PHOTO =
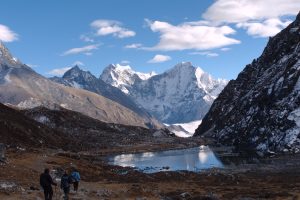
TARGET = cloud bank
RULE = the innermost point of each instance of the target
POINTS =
(7, 35)
(190, 35)
(260, 18)
(111, 27)
(87, 50)
(59, 71)
(159, 59)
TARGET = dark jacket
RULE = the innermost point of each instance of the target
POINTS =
(65, 181)
(46, 180)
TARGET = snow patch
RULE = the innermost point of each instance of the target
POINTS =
(190, 126)
(295, 116)
(76, 85)
(294, 30)
(42, 119)
(7, 185)
(184, 129)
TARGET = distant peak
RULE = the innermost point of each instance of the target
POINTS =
(111, 66)
(7, 58)
(184, 64)
(123, 67)
(76, 67)
(73, 72)
(182, 67)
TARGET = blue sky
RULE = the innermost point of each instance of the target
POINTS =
(220, 36)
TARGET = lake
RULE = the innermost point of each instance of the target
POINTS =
(193, 159)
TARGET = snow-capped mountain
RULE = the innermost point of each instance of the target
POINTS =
(260, 110)
(77, 78)
(20, 85)
(123, 77)
(181, 94)
(6, 59)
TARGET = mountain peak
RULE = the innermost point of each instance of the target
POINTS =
(75, 73)
(123, 76)
(76, 67)
(184, 65)
(119, 67)
(123, 67)
(181, 94)
(6, 58)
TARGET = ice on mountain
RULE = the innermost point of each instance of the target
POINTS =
(181, 94)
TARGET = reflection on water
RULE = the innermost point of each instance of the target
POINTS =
(193, 159)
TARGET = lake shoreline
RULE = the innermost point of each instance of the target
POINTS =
(277, 179)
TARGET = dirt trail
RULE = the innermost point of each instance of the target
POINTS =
(101, 181)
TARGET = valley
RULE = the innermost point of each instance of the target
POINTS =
(162, 107)
(102, 181)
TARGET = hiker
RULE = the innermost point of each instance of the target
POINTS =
(75, 178)
(46, 182)
(65, 185)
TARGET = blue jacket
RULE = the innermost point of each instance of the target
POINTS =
(75, 176)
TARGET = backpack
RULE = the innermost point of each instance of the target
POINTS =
(65, 181)
(75, 176)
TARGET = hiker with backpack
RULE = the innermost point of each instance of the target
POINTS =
(46, 182)
(76, 178)
(66, 180)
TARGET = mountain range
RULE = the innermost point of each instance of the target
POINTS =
(179, 95)
(21, 86)
(182, 94)
(78, 78)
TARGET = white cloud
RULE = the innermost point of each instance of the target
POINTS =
(133, 46)
(86, 50)
(78, 63)
(107, 27)
(269, 27)
(86, 38)
(225, 49)
(205, 53)
(125, 62)
(7, 35)
(190, 35)
(235, 11)
(260, 18)
(159, 59)
(32, 65)
(59, 71)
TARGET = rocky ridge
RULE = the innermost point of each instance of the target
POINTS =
(260, 110)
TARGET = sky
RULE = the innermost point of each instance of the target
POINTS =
(220, 36)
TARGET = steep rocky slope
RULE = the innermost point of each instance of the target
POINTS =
(17, 130)
(20, 85)
(89, 133)
(181, 94)
(260, 110)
